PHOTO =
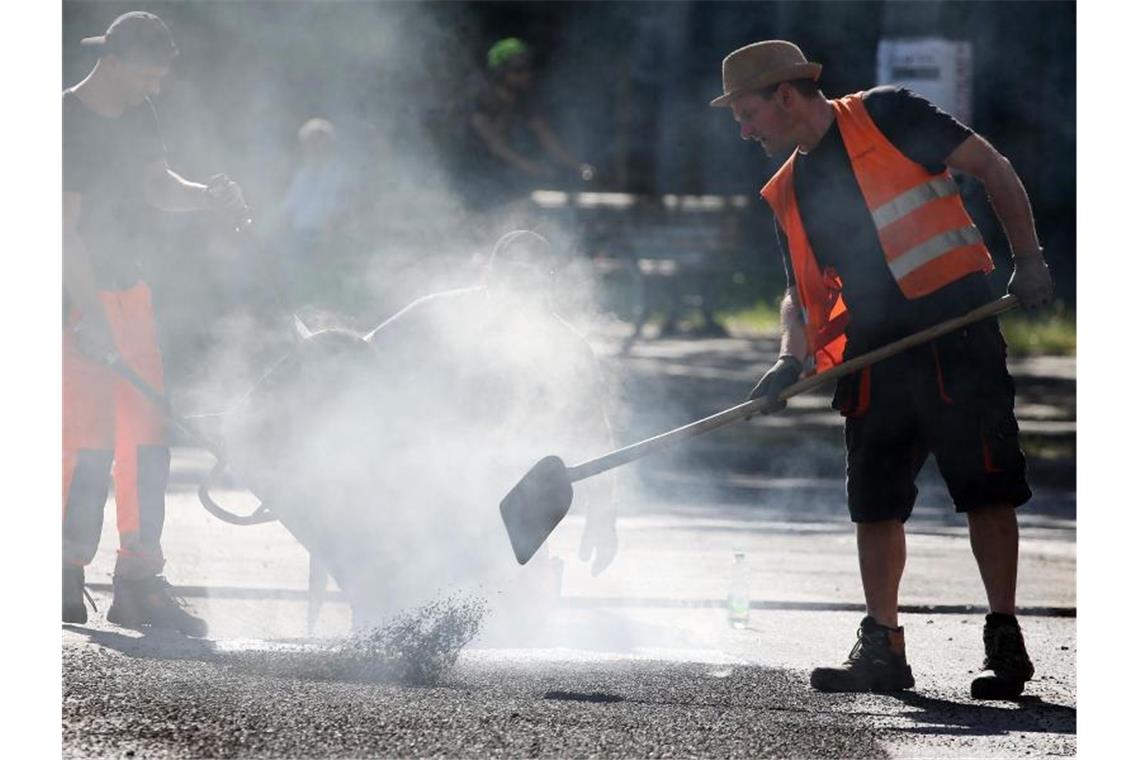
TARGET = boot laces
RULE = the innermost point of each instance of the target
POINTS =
(87, 594)
(161, 588)
(90, 599)
(865, 646)
(853, 655)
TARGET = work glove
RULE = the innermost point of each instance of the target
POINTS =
(784, 372)
(226, 198)
(599, 540)
(1031, 282)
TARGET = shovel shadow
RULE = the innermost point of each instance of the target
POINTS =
(1025, 714)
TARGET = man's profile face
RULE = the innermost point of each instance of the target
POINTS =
(764, 120)
(138, 81)
(519, 76)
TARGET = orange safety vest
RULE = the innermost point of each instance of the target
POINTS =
(927, 236)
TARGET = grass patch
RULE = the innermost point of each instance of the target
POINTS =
(1053, 333)
(762, 317)
(1050, 333)
(1048, 448)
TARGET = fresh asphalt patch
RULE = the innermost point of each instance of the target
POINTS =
(188, 699)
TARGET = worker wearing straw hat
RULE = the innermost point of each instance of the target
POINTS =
(878, 244)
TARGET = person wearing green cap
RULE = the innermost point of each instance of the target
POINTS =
(514, 149)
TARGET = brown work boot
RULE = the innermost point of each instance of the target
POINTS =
(1007, 665)
(877, 663)
(151, 601)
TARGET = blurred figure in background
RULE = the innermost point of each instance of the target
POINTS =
(387, 456)
(512, 148)
(508, 378)
(114, 174)
(314, 214)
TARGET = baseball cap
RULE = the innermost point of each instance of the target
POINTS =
(521, 250)
(508, 52)
(136, 36)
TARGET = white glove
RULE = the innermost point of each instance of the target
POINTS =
(599, 540)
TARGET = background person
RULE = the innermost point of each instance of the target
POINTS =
(314, 213)
(512, 148)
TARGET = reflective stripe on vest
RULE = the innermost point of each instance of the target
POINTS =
(901, 205)
(917, 215)
(929, 250)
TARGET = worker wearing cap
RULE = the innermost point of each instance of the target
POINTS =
(877, 245)
(114, 171)
(514, 148)
(499, 368)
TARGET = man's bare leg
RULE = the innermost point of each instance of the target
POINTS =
(882, 557)
(994, 537)
(878, 661)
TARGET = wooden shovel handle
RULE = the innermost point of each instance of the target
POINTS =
(749, 408)
(992, 309)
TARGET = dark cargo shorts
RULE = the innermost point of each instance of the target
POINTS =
(952, 397)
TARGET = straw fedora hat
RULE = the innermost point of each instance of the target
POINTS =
(760, 65)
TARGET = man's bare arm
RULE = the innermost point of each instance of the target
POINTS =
(793, 337)
(789, 365)
(1031, 281)
(79, 287)
(165, 189)
(1010, 202)
(499, 147)
(78, 277)
(551, 144)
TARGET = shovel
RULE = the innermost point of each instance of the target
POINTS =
(535, 506)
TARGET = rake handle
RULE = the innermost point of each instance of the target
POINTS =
(123, 370)
(748, 408)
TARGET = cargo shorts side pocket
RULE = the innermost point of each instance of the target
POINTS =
(970, 367)
(852, 397)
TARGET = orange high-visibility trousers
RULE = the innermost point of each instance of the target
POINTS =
(106, 420)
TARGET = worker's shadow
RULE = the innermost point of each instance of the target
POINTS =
(1026, 714)
(152, 644)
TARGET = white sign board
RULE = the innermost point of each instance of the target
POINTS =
(940, 70)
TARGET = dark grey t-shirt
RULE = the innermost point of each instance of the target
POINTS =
(104, 161)
(842, 234)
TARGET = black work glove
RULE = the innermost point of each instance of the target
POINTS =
(1031, 282)
(784, 372)
(226, 198)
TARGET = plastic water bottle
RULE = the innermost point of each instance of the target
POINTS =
(738, 592)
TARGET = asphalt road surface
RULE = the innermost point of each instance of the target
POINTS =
(639, 661)
(174, 698)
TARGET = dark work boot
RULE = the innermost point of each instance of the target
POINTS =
(151, 601)
(877, 663)
(74, 592)
(1007, 665)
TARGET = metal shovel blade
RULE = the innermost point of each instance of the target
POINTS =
(535, 506)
